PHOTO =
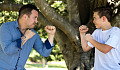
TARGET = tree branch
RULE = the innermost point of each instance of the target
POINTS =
(10, 7)
(116, 20)
(73, 10)
(58, 20)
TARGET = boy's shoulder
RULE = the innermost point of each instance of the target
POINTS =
(115, 31)
(97, 30)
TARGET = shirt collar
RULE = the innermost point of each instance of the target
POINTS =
(16, 24)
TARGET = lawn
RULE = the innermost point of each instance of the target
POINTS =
(50, 65)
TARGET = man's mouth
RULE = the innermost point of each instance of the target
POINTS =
(33, 23)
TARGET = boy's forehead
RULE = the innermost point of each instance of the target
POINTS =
(95, 14)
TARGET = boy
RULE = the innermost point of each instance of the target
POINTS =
(105, 39)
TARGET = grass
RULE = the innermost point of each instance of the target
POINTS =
(50, 65)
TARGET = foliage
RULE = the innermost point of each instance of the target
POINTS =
(60, 7)
(6, 16)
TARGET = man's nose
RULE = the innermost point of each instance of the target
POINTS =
(36, 20)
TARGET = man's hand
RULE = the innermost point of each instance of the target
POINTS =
(83, 29)
(29, 34)
(50, 30)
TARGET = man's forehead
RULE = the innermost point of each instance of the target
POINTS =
(34, 12)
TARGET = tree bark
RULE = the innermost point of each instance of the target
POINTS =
(10, 7)
(67, 34)
(60, 22)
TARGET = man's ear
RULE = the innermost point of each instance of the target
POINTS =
(104, 19)
(25, 16)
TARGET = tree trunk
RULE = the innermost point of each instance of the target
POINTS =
(67, 33)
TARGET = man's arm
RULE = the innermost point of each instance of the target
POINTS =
(28, 34)
(7, 44)
(51, 32)
(45, 49)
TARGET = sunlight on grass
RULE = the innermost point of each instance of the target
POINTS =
(50, 65)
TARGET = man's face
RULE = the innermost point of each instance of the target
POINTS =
(32, 19)
(97, 20)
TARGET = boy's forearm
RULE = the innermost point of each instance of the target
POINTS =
(83, 42)
(101, 47)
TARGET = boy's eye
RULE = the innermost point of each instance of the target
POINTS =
(35, 17)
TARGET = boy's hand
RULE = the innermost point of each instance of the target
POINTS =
(88, 37)
(83, 29)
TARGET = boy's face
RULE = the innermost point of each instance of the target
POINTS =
(97, 20)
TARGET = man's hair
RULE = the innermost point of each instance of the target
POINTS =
(104, 11)
(26, 9)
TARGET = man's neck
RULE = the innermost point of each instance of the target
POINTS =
(21, 26)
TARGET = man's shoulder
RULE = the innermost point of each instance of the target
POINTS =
(34, 31)
(8, 23)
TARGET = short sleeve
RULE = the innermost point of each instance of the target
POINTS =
(113, 41)
(89, 44)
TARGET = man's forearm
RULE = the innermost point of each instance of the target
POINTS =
(51, 39)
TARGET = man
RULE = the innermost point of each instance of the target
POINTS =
(105, 39)
(17, 39)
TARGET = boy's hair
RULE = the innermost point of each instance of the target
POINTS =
(26, 9)
(104, 11)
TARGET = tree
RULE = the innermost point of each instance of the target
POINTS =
(67, 34)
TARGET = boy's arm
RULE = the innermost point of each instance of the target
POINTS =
(83, 29)
(101, 47)
(84, 44)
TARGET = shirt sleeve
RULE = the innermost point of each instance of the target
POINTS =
(48, 45)
(113, 41)
(6, 43)
(43, 49)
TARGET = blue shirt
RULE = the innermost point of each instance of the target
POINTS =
(12, 56)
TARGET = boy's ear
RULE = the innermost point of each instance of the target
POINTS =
(104, 19)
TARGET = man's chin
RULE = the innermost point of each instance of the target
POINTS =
(31, 27)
